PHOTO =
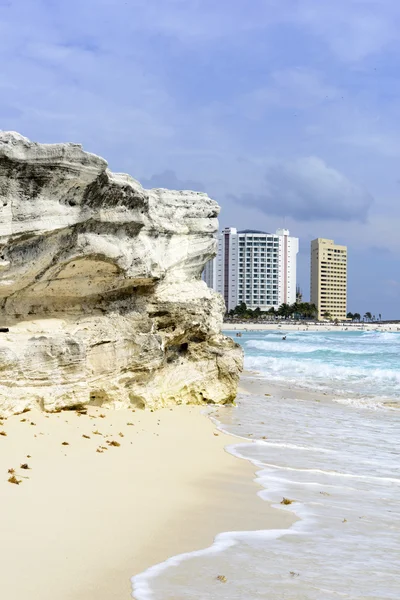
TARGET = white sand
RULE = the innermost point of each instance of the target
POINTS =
(288, 326)
(82, 523)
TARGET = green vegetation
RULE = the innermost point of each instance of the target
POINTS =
(367, 317)
(297, 310)
(354, 316)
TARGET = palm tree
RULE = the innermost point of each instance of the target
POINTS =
(241, 309)
(304, 310)
(327, 315)
(350, 316)
(284, 310)
(368, 316)
(380, 317)
(356, 317)
(313, 311)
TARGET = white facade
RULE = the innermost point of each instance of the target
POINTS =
(254, 267)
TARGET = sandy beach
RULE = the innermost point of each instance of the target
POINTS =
(288, 326)
(82, 522)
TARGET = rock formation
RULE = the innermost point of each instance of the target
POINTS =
(100, 287)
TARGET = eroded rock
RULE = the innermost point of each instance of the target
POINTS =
(100, 287)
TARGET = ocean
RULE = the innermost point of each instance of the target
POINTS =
(329, 441)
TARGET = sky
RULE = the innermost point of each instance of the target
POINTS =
(286, 112)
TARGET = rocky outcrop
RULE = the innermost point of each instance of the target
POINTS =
(100, 287)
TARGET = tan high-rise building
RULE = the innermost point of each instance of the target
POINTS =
(329, 278)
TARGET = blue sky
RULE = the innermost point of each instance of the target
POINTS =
(286, 112)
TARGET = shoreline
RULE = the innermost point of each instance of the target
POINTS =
(82, 523)
(254, 383)
(293, 327)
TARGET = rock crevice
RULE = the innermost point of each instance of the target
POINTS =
(100, 287)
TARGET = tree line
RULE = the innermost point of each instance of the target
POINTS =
(300, 310)
(367, 317)
(297, 310)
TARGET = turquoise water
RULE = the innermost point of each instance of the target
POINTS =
(353, 364)
(336, 456)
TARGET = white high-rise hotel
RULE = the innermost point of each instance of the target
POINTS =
(254, 267)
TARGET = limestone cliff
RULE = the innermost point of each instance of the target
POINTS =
(100, 287)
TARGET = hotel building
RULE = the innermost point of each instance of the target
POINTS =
(254, 267)
(329, 278)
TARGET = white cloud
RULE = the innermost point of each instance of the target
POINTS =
(189, 86)
(308, 190)
(168, 179)
(353, 29)
(380, 143)
(298, 88)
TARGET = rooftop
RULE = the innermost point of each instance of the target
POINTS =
(253, 231)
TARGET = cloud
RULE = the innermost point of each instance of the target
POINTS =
(297, 88)
(308, 190)
(394, 285)
(384, 144)
(353, 29)
(168, 179)
(302, 87)
(226, 96)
